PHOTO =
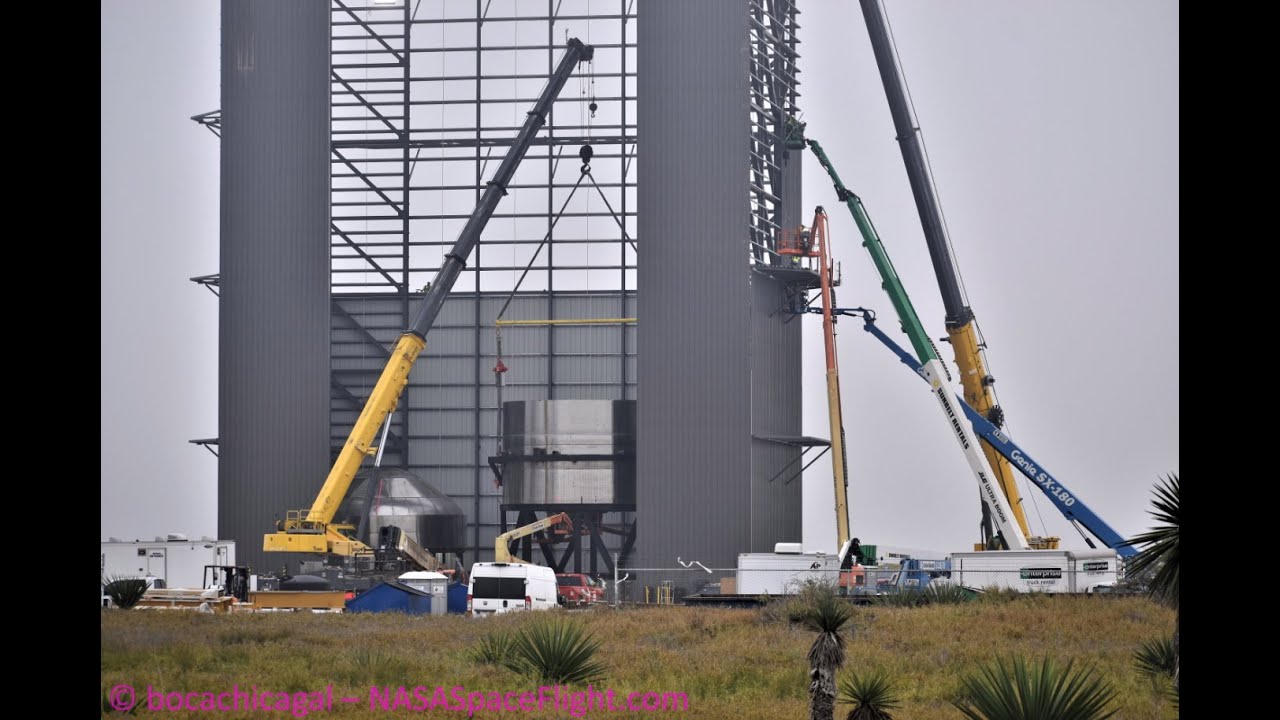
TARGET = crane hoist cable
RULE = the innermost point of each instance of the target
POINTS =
(586, 169)
(585, 153)
(500, 367)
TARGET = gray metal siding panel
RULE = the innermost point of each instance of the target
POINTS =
(775, 411)
(273, 356)
(777, 394)
(694, 296)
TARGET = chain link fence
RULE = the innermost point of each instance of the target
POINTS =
(698, 584)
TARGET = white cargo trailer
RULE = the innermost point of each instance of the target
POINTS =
(783, 571)
(1048, 571)
(175, 560)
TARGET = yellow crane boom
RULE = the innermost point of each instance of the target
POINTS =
(962, 330)
(501, 551)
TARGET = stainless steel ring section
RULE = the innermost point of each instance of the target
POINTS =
(403, 499)
(536, 432)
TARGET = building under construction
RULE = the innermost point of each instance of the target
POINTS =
(618, 346)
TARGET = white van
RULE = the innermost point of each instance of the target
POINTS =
(508, 587)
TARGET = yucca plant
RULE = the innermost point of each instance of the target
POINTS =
(1155, 658)
(872, 696)
(946, 594)
(492, 649)
(125, 592)
(1020, 691)
(1160, 551)
(827, 615)
(555, 651)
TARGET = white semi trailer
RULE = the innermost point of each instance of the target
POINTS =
(176, 561)
(1048, 571)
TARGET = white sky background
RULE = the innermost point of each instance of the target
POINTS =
(160, 66)
(1052, 128)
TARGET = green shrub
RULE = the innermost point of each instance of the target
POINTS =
(1019, 691)
(555, 651)
(492, 649)
(947, 594)
(125, 592)
(872, 696)
(373, 665)
(932, 594)
(1155, 658)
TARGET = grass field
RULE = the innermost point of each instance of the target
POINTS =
(741, 664)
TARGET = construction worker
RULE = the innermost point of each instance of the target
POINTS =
(802, 238)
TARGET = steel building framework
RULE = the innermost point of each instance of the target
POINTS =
(773, 76)
(425, 97)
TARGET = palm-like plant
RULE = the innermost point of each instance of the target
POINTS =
(931, 594)
(1160, 551)
(872, 696)
(947, 594)
(827, 616)
(1155, 658)
(1019, 691)
(125, 592)
(556, 652)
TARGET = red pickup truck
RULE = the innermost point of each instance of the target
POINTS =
(578, 589)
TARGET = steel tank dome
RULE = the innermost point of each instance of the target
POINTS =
(395, 496)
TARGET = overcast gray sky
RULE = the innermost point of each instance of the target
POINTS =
(160, 65)
(1053, 133)
(1052, 128)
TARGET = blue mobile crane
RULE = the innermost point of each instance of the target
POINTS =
(1072, 507)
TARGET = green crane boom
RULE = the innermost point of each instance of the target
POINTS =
(1011, 535)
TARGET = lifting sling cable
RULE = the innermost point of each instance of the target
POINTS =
(613, 214)
(545, 238)
(586, 173)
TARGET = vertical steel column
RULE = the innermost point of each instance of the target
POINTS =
(480, 461)
(551, 245)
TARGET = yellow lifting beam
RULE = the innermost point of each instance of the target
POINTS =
(571, 321)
